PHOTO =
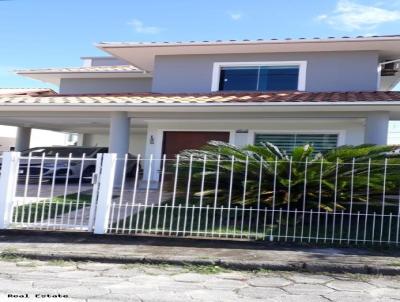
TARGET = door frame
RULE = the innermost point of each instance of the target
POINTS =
(158, 146)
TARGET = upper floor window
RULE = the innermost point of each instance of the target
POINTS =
(259, 76)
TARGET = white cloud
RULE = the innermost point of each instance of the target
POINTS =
(139, 27)
(349, 15)
(235, 16)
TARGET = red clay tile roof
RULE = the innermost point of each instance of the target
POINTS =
(212, 98)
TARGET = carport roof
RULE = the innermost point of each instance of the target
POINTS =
(288, 98)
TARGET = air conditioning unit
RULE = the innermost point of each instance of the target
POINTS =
(390, 69)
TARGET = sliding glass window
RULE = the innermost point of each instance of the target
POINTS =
(259, 78)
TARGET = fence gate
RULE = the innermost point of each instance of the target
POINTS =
(51, 192)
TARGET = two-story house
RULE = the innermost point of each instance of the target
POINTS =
(160, 98)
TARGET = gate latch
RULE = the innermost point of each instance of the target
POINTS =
(95, 178)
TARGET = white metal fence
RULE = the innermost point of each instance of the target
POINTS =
(315, 201)
(312, 201)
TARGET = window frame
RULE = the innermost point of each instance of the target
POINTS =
(340, 133)
(216, 74)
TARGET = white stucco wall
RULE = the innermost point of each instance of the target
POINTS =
(106, 85)
(136, 143)
(6, 143)
(350, 130)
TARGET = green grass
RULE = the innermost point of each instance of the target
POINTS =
(10, 257)
(206, 269)
(168, 221)
(60, 262)
(173, 220)
(50, 208)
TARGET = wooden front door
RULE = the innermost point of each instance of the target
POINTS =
(177, 141)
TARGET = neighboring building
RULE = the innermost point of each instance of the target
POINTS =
(160, 98)
(39, 137)
(26, 91)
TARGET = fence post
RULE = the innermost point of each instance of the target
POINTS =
(106, 186)
(95, 191)
(8, 186)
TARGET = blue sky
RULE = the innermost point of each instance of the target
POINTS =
(54, 33)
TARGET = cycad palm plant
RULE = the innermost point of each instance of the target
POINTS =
(265, 176)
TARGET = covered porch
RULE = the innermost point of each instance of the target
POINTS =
(156, 124)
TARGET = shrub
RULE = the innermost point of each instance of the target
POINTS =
(266, 176)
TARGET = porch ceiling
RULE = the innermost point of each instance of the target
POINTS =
(99, 122)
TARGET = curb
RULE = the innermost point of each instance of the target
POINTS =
(234, 265)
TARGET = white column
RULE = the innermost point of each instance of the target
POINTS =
(23, 138)
(376, 128)
(84, 140)
(8, 185)
(119, 141)
(105, 194)
(119, 133)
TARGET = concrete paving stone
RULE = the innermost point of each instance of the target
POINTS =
(4, 297)
(84, 292)
(4, 275)
(150, 280)
(307, 289)
(392, 293)
(191, 277)
(102, 280)
(233, 276)
(121, 273)
(213, 296)
(77, 275)
(11, 285)
(55, 268)
(385, 282)
(162, 296)
(260, 292)
(299, 298)
(215, 283)
(350, 285)
(339, 296)
(130, 288)
(310, 278)
(54, 284)
(180, 286)
(92, 266)
(115, 297)
(18, 270)
(272, 281)
(29, 276)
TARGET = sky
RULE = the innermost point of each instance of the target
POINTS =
(56, 33)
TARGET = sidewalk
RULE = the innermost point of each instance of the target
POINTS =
(235, 255)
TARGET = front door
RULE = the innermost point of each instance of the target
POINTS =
(177, 141)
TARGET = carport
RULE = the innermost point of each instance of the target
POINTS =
(139, 122)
